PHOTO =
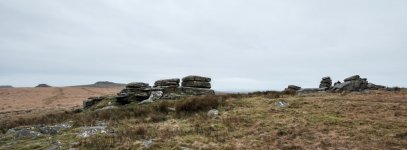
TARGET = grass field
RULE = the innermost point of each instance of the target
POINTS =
(372, 120)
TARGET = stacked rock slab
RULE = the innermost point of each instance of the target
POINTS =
(196, 85)
(167, 83)
(135, 91)
(326, 83)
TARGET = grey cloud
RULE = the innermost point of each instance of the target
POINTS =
(242, 45)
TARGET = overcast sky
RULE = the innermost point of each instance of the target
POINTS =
(240, 44)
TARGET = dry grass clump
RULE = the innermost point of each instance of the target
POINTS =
(196, 104)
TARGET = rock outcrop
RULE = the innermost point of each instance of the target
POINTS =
(355, 83)
(165, 89)
(326, 83)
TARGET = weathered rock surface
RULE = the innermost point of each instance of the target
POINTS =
(213, 113)
(352, 78)
(89, 131)
(197, 91)
(196, 84)
(326, 82)
(196, 78)
(167, 83)
(22, 133)
(55, 129)
(135, 91)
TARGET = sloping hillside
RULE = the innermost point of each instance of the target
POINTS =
(270, 120)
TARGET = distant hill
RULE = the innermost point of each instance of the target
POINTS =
(6, 86)
(102, 84)
(42, 86)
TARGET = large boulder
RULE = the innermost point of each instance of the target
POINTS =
(326, 82)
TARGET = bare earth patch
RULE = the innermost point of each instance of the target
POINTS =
(19, 101)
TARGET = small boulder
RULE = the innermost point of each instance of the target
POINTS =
(213, 113)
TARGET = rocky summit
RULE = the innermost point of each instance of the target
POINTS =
(163, 89)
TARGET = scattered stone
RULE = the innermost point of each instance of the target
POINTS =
(91, 101)
(55, 129)
(55, 145)
(281, 104)
(89, 131)
(326, 83)
(22, 133)
(148, 143)
(42, 85)
(213, 113)
(352, 78)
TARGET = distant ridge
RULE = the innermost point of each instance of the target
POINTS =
(6, 86)
(102, 84)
